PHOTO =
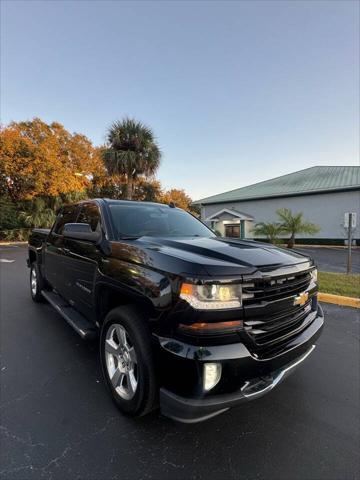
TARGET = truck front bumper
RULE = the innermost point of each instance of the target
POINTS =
(251, 377)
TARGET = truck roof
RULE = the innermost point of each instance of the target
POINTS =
(136, 202)
(120, 202)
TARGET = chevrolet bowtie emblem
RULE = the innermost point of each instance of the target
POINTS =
(301, 299)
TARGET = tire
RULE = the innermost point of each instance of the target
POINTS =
(127, 361)
(36, 283)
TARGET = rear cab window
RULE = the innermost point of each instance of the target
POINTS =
(90, 214)
(67, 214)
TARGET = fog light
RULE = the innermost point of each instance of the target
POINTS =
(212, 374)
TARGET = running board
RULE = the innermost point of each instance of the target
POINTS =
(80, 324)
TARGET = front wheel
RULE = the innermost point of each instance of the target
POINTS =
(36, 283)
(127, 361)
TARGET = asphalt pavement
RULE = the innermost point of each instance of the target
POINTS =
(58, 421)
(333, 259)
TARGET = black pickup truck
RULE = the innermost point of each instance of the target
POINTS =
(186, 320)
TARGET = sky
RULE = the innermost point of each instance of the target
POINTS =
(235, 92)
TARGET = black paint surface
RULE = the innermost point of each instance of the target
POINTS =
(58, 421)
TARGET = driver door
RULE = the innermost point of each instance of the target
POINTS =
(81, 263)
(54, 256)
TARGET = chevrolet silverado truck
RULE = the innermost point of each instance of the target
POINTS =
(186, 320)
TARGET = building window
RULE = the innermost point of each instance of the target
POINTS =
(232, 231)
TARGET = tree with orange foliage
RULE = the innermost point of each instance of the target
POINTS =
(180, 198)
(148, 190)
(37, 159)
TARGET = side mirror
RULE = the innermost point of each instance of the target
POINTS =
(81, 231)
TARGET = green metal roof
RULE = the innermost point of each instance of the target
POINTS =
(311, 180)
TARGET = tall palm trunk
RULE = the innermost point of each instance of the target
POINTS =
(291, 241)
(129, 187)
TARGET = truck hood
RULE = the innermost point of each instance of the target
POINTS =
(220, 256)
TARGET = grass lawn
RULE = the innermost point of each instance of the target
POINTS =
(339, 284)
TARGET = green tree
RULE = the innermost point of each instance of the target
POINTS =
(270, 231)
(9, 217)
(132, 151)
(293, 224)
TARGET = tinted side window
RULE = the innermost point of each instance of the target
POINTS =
(90, 214)
(67, 214)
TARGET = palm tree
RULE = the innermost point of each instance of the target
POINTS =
(40, 215)
(132, 151)
(293, 223)
(269, 230)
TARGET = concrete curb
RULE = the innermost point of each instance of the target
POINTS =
(339, 300)
(341, 247)
(6, 244)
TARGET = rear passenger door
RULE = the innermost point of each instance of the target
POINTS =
(81, 263)
(54, 249)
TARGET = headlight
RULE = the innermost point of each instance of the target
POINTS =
(314, 274)
(211, 296)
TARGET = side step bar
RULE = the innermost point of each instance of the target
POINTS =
(80, 324)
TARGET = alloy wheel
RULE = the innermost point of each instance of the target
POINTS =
(33, 281)
(121, 361)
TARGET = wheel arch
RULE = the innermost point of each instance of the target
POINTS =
(110, 297)
(33, 257)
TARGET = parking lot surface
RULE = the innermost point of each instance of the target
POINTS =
(332, 259)
(58, 421)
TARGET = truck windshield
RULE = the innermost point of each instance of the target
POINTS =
(133, 220)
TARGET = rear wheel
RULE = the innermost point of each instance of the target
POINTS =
(127, 361)
(36, 283)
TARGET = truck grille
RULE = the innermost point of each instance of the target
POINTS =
(270, 289)
(274, 328)
(271, 318)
